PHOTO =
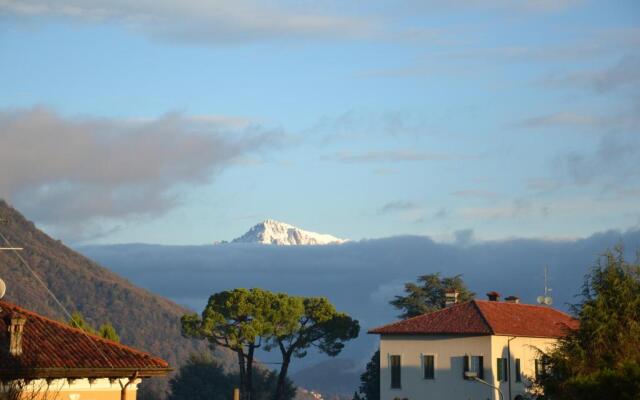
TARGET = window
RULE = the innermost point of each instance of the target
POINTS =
(518, 371)
(474, 364)
(428, 364)
(395, 372)
(477, 366)
(540, 368)
(502, 369)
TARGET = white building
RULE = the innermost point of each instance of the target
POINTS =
(426, 357)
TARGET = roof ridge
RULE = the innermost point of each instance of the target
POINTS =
(89, 335)
(422, 315)
(484, 318)
(539, 306)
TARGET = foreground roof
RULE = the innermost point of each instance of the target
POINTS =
(53, 349)
(480, 317)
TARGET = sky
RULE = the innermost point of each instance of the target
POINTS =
(187, 122)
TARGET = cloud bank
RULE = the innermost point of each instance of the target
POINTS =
(88, 169)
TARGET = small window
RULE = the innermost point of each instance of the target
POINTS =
(473, 364)
(428, 363)
(396, 379)
(477, 366)
(518, 371)
(501, 364)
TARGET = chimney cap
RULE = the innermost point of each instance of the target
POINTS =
(512, 299)
(493, 295)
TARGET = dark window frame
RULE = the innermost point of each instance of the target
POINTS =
(396, 371)
(518, 371)
(428, 373)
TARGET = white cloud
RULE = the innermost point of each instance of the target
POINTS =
(205, 22)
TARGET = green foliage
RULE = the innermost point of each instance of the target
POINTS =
(309, 322)
(429, 294)
(600, 359)
(78, 321)
(202, 378)
(238, 320)
(370, 380)
(106, 330)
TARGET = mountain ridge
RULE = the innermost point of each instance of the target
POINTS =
(279, 233)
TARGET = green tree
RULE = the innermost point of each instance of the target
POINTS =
(106, 330)
(429, 294)
(601, 358)
(202, 378)
(78, 321)
(302, 323)
(238, 320)
(370, 380)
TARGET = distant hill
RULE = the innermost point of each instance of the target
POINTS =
(322, 377)
(143, 320)
(283, 234)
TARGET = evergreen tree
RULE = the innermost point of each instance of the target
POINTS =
(429, 294)
(601, 358)
(370, 380)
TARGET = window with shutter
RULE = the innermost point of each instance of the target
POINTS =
(396, 377)
(428, 363)
(518, 371)
(465, 366)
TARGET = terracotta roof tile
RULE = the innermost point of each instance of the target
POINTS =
(49, 344)
(480, 317)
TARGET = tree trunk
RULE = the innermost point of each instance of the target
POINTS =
(249, 376)
(282, 376)
(242, 373)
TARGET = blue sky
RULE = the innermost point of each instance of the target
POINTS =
(187, 122)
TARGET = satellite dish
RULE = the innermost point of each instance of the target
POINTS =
(548, 300)
(3, 288)
(540, 299)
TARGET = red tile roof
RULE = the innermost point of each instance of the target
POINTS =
(62, 350)
(479, 317)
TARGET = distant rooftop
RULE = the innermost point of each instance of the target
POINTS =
(54, 349)
(480, 317)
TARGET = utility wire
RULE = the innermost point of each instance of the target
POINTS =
(44, 285)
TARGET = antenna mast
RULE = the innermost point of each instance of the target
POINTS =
(546, 298)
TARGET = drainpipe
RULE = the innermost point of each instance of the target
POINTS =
(123, 391)
(509, 363)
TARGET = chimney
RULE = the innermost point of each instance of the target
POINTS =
(493, 296)
(512, 299)
(15, 327)
(450, 297)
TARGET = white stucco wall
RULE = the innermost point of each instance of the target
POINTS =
(449, 352)
(78, 389)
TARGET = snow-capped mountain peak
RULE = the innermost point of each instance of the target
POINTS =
(279, 233)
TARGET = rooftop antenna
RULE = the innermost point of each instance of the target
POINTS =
(546, 298)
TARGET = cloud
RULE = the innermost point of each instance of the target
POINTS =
(390, 156)
(398, 206)
(194, 21)
(626, 72)
(464, 237)
(559, 119)
(475, 193)
(88, 169)
(613, 163)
